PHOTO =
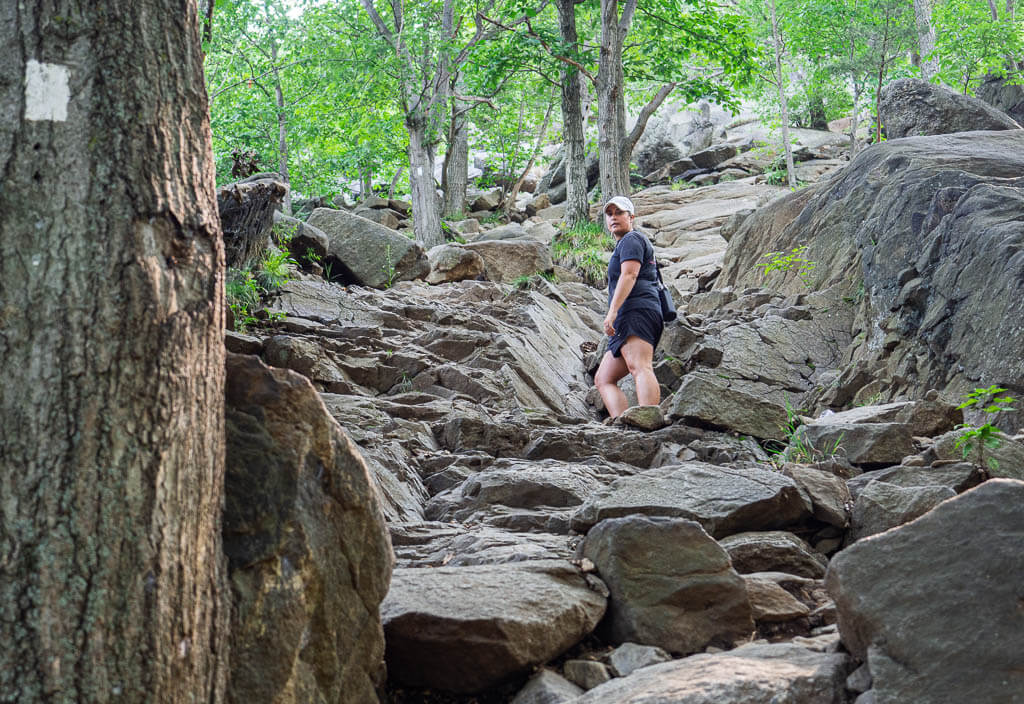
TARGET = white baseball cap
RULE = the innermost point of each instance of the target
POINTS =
(622, 203)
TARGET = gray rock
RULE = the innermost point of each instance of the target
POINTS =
(586, 673)
(308, 553)
(547, 687)
(773, 551)
(713, 156)
(450, 262)
(487, 201)
(643, 417)
(770, 603)
(434, 544)
(671, 585)
(463, 629)
(752, 674)
(572, 444)
(303, 238)
(881, 506)
(909, 107)
(632, 656)
(917, 205)
(722, 499)
(952, 630)
(370, 251)
(859, 680)
(507, 260)
(240, 343)
(958, 476)
(382, 216)
(512, 231)
(703, 399)
(830, 496)
(860, 443)
(1006, 460)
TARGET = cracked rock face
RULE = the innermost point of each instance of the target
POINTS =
(925, 603)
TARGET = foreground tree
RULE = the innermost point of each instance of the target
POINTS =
(111, 351)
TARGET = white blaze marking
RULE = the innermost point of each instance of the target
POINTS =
(46, 91)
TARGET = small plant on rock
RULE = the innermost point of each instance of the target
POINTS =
(790, 261)
(583, 249)
(797, 447)
(983, 436)
(388, 267)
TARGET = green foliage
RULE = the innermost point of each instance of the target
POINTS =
(970, 44)
(790, 261)
(244, 289)
(582, 249)
(388, 267)
(797, 448)
(986, 435)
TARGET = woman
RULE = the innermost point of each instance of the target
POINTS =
(634, 322)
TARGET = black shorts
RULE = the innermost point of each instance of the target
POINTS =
(645, 324)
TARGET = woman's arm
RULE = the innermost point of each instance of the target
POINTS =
(628, 272)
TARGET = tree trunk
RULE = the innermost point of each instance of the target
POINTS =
(282, 130)
(112, 582)
(926, 39)
(611, 100)
(576, 210)
(456, 162)
(510, 201)
(426, 219)
(780, 84)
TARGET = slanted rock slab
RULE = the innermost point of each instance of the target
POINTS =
(881, 506)
(463, 629)
(632, 656)
(860, 443)
(934, 606)
(671, 584)
(701, 399)
(724, 500)
(773, 551)
(547, 687)
(909, 107)
(752, 674)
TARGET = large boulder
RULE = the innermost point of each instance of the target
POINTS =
(371, 254)
(909, 107)
(708, 401)
(308, 554)
(724, 500)
(449, 262)
(508, 260)
(1003, 94)
(463, 629)
(923, 237)
(934, 607)
(671, 585)
(751, 674)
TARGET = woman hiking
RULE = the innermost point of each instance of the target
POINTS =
(634, 321)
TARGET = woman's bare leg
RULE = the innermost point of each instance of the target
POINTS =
(639, 356)
(606, 380)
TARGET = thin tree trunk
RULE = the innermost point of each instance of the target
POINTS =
(926, 39)
(394, 181)
(514, 193)
(611, 100)
(112, 578)
(780, 84)
(282, 130)
(576, 210)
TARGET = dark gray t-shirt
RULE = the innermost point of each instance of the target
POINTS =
(644, 296)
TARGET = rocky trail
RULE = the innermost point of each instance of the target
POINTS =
(793, 524)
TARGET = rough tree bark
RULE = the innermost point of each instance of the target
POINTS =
(611, 103)
(576, 209)
(112, 358)
(780, 85)
(926, 39)
(455, 174)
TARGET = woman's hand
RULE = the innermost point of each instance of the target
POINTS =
(609, 324)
